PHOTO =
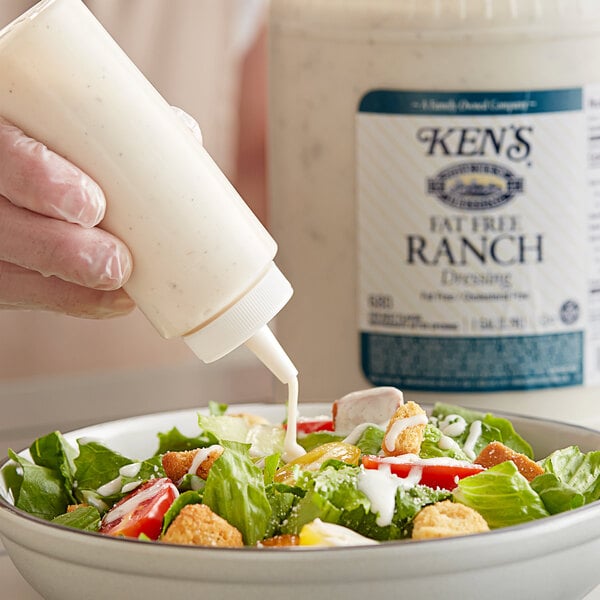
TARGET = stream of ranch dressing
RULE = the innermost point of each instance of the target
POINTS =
(291, 448)
(267, 348)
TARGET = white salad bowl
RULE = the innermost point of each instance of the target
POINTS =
(552, 558)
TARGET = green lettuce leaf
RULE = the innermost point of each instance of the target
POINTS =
(86, 518)
(408, 503)
(311, 440)
(271, 464)
(96, 466)
(493, 428)
(224, 427)
(509, 436)
(55, 453)
(235, 490)
(189, 497)
(579, 471)
(175, 441)
(12, 475)
(430, 447)
(312, 506)
(501, 495)
(283, 500)
(265, 439)
(332, 495)
(371, 440)
(556, 495)
(191, 481)
(217, 409)
(38, 490)
(338, 483)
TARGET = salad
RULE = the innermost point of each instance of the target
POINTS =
(376, 469)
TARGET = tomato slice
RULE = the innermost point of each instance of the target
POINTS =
(142, 511)
(305, 426)
(313, 425)
(433, 475)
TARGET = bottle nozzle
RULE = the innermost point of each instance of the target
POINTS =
(266, 347)
(245, 322)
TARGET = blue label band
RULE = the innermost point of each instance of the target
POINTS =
(473, 364)
(471, 103)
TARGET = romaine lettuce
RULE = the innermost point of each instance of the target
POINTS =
(224, 427)
(493, 428)
(556, 495)
(283, 500)
(371, 440)
(579, 471)
(311, 440)
(332, 495)
(235, 490)
(501, 495)
(264, 438)
(430, 447)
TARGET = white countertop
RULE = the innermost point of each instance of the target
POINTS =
(12, 585)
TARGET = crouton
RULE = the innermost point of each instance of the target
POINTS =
(198, 525)
(405, 430)
(198, 462)
(281, 541)
(375, 405)
(447, 519)
(496, 452)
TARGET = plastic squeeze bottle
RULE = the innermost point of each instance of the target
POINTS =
(203, 264)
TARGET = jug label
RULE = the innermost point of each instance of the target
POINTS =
(479, 238)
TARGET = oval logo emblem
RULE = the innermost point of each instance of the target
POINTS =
(475, 185)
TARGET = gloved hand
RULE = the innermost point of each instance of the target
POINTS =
(52, 257)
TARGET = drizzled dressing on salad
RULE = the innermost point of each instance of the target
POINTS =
(399, 426)
(453, 426)
(291, 448)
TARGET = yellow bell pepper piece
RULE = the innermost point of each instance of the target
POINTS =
(312, 461)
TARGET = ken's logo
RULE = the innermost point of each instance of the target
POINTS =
(475, 185)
